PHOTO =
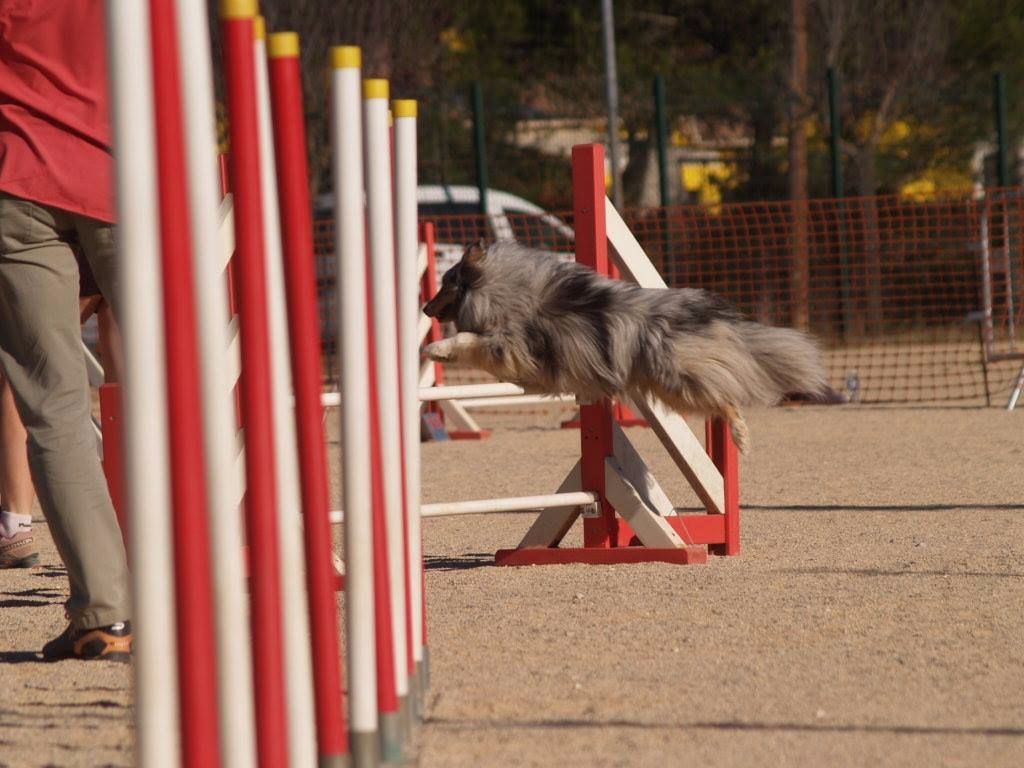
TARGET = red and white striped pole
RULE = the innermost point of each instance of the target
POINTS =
(407, 260)
(300, 281)
(298, 660)
(234, 655)
(194, 595)
(353, 335)
(257, 411)
(145, 415)
(380, 221)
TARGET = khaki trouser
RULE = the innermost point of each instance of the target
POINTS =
(41, 355)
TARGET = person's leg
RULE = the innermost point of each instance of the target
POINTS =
(16, 491)
(17, 544)
(40, 350)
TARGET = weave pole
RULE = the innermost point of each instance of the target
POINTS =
(146, 459)
(300, 282)
(385, 437)
(256, 389)
(294, 614)
(197, 673)
(234, 655)
(407, 259)
(353, 333)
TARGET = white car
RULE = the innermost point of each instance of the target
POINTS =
(455, 213)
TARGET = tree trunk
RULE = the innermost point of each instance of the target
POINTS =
(640, 176)
(800, 278)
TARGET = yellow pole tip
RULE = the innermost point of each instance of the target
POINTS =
(403, 108)
(259, 28)
(375, 88)
(239, 9)
(346, 57)
(283, 44)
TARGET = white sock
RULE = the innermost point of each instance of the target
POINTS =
(11, 523)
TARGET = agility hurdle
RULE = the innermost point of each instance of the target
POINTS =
(627, 517)
(200, 695)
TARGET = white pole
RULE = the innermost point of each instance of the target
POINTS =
(234, 657)
(468, 391)
(611, 87)
(145, 400)
(495, 506)
(377, 144)
(517, 401)
(407, 256)
(298, 659)
(512, 504)
(350, 247)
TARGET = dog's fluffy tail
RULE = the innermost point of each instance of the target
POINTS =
(791, 360)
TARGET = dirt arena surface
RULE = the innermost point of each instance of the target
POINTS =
(875, 617)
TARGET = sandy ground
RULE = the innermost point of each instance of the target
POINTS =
(875, 617)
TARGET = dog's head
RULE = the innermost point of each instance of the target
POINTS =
(457, 283)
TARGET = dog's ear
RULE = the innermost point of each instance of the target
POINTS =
(475, 253)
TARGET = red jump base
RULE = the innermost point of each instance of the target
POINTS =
(688, 555)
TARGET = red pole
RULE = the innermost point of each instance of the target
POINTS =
(428, 287)
(303, 322)
(595, 419)
(387, 695)
(261, 486)
(197, 672)
(724, 454)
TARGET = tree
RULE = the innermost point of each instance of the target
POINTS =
(889, 52)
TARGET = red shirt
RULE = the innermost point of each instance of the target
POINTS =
(54, 115)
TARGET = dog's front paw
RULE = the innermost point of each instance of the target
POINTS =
(440, 351)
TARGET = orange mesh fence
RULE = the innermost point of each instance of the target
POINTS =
(894, 289)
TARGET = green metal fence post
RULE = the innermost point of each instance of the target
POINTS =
(661, 132)
(480, 143)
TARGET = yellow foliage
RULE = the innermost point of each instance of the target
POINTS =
(706, 180)
(936, 182)
(453, 40)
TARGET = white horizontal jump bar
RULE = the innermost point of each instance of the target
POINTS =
(490, 396)
(502, 401)
(514, 504)
(467, 391)
(482, 506)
